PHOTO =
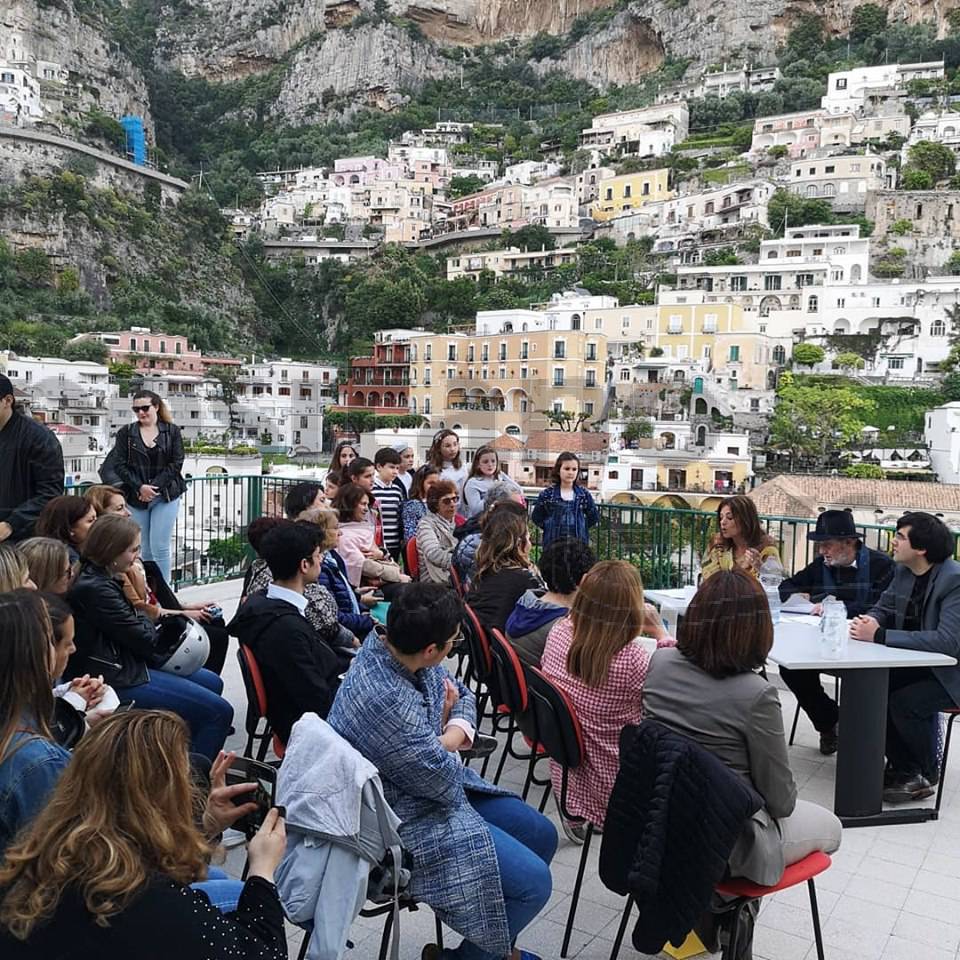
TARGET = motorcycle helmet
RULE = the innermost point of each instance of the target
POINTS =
(182, 646)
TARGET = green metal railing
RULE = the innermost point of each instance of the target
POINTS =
(667, 545)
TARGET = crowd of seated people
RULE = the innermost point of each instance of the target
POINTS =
(387, 692)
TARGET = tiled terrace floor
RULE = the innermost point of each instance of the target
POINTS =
(893, 893)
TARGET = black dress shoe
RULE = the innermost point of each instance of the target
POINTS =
(829, 741)
(916, 788)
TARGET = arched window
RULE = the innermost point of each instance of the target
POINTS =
(938, 329)
(813, 303)
(811, 190)
(701, 436)
(779, 354)
(700, 407)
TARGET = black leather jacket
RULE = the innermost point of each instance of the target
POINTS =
(112, 638)
(132, 462)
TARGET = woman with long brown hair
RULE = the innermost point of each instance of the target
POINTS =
(105, 868)
(596, 655)
(148, 458)
(742, 543)
(709, 689)
(67, 519)
(503, 569)
(30, 761)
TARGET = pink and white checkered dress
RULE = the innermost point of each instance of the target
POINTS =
(603, 712)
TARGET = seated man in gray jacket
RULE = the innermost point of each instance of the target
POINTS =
(920, 610)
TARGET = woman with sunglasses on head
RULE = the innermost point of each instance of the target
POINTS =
(148, 459)
(435, 539)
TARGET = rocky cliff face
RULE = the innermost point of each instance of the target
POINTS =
(371, 63)
(98, 76)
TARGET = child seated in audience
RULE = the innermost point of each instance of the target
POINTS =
(365, 561)
(30, 761)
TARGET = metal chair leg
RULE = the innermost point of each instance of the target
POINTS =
(793, 729)
(571, 915)
(622, 929)
(385, 939)
(304, 944)
(815, 913)
(943, 761)
(506, 751)
(729, 952)
(439, 926)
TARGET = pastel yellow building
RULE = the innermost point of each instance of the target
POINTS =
(717, 336)
(506, 381)
(630, 191)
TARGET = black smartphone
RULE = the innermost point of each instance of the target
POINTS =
(245, 770)
(125, 705)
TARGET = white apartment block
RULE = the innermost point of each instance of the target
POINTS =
(424, 164)
(530, 171)
(721, 83)
(551, 203)
(485, 170)
(843, 180)
(75, 393)
(845, 129)
(647, 131)
(862, 89)
(798, 132)
(941, 431)
(20, 101)
(505, 262)
(566, 311)
(938, 127)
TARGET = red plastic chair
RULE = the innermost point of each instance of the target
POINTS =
(455, 580)
(745, 890)
(412, 558)
(511, 685)
(256, 705)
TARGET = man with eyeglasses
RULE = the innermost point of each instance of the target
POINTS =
(31, 467)
(481, 856)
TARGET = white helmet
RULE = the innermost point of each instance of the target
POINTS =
(188, 652)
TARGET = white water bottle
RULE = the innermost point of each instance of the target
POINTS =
(771, 576)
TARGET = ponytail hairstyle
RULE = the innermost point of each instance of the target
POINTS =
(163, 411)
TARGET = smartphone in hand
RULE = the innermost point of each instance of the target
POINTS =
(245, 770)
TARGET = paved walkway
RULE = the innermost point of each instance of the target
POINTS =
(893, 893)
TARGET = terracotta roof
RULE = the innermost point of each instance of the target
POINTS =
(799, 495)
(556, 441)
(505, 442)
(64, 428)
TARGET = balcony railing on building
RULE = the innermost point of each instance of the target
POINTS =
(666, 544)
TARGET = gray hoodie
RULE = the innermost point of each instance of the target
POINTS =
(527, 627)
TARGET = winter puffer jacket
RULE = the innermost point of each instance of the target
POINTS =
(527, 627)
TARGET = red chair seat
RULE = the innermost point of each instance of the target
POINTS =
(799, 872)
(541, 749)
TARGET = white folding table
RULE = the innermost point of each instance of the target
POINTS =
(865, 669)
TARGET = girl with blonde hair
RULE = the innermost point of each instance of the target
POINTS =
(14, 572)
(597, 656)
(105, 868)
(49, 563)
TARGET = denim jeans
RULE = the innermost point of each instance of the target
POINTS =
(195, 698)
(222, 892)
(156, 524)
(525, 841)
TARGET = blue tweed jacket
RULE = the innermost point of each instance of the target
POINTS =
(393, 718)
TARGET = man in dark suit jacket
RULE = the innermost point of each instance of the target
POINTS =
(920, 610)
(844, 568)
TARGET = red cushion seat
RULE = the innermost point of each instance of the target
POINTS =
(798, 872)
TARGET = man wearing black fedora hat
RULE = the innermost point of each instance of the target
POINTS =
(850, 571)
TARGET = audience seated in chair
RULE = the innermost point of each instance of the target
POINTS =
(562, 566)
(67, 519)
(30, 761)
(480, 855)
(117, 641)
(415, 506)
(14, 571)
(597, 657)
(48, 562)
(104, 869)
(504, 571)
(468, 534)
(300, 670)
(435, 540)
(707, 688)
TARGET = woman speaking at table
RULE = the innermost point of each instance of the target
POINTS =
(742, 543)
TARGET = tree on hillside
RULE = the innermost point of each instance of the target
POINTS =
(808, 354)
(226, 378)
(566, 420)
(814, 424)
(530, 237)
(461, 186)
(92, 350)
(850, 361)
(786, 209)
(867, 21)
(935, 159)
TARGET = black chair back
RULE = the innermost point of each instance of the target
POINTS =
(556, 726)
(511, 683)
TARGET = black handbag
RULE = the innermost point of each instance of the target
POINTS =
(108, 469)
